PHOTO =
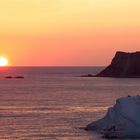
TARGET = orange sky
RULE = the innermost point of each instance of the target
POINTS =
(67, 32)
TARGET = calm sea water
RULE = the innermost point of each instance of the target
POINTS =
(53, 103)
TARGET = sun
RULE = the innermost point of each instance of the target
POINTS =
(3, 61)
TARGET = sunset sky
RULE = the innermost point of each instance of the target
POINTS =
(67, 32)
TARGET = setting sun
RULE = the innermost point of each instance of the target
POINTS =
(3, 61)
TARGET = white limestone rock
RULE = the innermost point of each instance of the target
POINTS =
(121, 121)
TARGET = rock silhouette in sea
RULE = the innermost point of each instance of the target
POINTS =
(124, 64)
(17, 77)
(88, 75)
(8, 77)
(121, 121)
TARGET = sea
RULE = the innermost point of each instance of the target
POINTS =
(56, 103)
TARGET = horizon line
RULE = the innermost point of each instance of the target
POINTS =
(52, 66)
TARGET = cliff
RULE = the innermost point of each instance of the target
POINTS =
(121, 121)
(123, 65)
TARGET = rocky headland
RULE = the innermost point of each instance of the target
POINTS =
(123, 65)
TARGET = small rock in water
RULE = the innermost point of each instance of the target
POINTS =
(88, 75)
(19, 77)
(8, 77)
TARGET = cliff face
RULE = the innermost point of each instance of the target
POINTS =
(123, 65)
(121, 121)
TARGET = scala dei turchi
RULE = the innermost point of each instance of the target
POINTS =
(123, 65)
(121, 121)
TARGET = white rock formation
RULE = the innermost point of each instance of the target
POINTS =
(121, 121)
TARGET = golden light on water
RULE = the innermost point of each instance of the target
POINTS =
(3, 61)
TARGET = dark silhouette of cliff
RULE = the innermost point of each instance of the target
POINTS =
(123, 65)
